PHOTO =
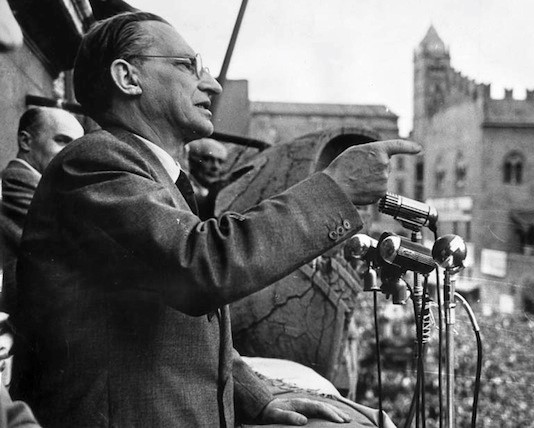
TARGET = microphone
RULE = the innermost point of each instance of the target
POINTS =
(449, 252)
(405, 254)
(396, 287)
(361, 247)
(411, 213)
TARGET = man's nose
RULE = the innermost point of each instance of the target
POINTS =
(214, 165)
(209, 84)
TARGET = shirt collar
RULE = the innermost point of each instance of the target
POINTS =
(169, 164)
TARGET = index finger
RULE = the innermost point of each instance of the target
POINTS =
(395, 147)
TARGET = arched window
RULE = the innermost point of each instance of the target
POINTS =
(513, 168)
(439, 174)
(461, 170)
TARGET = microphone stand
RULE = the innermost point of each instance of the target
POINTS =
(449, 252)
(450, 320)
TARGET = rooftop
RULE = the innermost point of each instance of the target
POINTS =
(432, 42)
(311, 109)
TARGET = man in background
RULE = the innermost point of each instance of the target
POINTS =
(12, 414)
(42, 133)
(206, 165)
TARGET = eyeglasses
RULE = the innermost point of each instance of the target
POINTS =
(192, 63)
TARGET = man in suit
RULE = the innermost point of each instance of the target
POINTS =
(206, 162)
(12, 414)
(123, 289)
(42, 133)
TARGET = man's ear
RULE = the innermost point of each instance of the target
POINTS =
(25, 141)
(126, 77)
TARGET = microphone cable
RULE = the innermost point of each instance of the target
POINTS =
(476, 329)
(422, 333)
(378, 361)
(440, 343)
(424, 329)
(414, 405)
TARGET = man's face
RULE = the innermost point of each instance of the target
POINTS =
(57, 129)
(173, 97)
(206, 161)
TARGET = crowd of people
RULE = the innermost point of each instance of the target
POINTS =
(123, 279)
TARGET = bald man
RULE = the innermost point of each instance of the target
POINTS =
(43, 132)
(206, 163)
(12, 414)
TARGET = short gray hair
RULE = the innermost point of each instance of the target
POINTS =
(117, 37)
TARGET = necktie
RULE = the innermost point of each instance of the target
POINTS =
(186, 189)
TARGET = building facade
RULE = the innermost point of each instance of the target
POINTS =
(277, 122)
(477, 170)
(39, 69)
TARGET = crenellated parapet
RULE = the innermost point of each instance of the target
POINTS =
(510, 111)
(463, 88)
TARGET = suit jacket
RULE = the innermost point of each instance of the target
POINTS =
(116, 276)
(19, 182)
(14, 413)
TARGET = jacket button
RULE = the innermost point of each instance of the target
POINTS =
(346, 224)
(333, 235)
(340, 230)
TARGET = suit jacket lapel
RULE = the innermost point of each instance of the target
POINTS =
(147, 154)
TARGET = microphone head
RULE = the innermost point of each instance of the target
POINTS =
(360, 246)
(407, 255)
(449, 252)
(410, 213)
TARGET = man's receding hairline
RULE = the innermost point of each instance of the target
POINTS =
(37, 120)
(147, 35)
(47, 116)
(198, 147)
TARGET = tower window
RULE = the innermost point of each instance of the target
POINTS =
(400, 186)
(400, 163)
(461, 170)
(439, 174)
(419, 171)
(513, 168)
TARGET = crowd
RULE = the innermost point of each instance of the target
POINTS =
(506, 377)
(119, 307)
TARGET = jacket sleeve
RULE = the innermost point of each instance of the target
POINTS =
(251, 395)
(115, 200)
(18, 188)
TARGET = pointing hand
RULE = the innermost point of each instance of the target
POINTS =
(362, 171)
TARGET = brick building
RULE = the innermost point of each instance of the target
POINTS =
(477, 170)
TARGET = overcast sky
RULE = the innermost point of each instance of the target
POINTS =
(356, 51)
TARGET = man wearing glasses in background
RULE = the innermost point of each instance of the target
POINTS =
(123, 290)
